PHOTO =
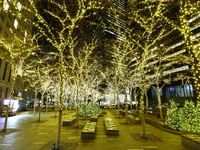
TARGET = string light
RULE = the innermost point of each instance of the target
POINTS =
(184, 119)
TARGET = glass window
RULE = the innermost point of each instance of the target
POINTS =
(154, 93)
(179, 91)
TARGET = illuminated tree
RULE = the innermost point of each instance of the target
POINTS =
(162, 68)
(196, 127)
(135, 81)
(175, 116)
(82, 66)
(186, 22)
(148, 32)
(56, 25)
(16, 51)
(189, 116)
(189, 16)
(32, 78)
(44, 81)
(151, 31)
(121, 58)
(121, 49)
(111, 85)
(39, 78)
(10, 53)
(93, 82)
(184, 119)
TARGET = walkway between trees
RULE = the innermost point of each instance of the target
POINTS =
(24, 132)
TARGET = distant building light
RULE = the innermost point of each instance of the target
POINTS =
(194, 18)
(30, 71)
(176, 70)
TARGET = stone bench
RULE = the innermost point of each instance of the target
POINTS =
(69, 121)
(111, 128)
(135, 120)
(94, 118)
(156, 111)
(123, 113)
(89, 131)
(104, 111)
(157, 123)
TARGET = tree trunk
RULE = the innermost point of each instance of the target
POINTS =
(77, 115)
(40, 109)
(39, 113)
(131, 102)
(147, 105)
(11, 95)
(84, 107)
(34, 101)
(114, 103)
(118, 105)
(6, 119)
(60, 103)
(65, 109)
(77, 107)
(143, 124)
(126, 109)
(85, 101)
(136, 104)
(59, 129)
(142, 114)
(56, 110)
(47, 104)
(159, 104)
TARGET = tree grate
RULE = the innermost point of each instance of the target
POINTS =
(64, 146)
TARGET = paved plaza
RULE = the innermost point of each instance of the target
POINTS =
(26, 133)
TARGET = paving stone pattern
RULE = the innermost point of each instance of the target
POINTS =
(26, 133)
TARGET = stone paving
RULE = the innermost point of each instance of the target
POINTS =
(26, 133)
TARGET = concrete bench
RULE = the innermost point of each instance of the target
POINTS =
(111, 128)
(89, 131)
(157, 123)
(104, 111)
(123, 113)
(94, 118)
(69, 121)
(135, 120)
(156, 112)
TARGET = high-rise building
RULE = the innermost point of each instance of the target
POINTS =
(110, 24)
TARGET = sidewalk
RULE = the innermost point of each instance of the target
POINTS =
(26, 133)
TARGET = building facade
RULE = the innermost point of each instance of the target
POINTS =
(7, 53)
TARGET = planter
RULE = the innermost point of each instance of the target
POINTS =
(191, 141)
